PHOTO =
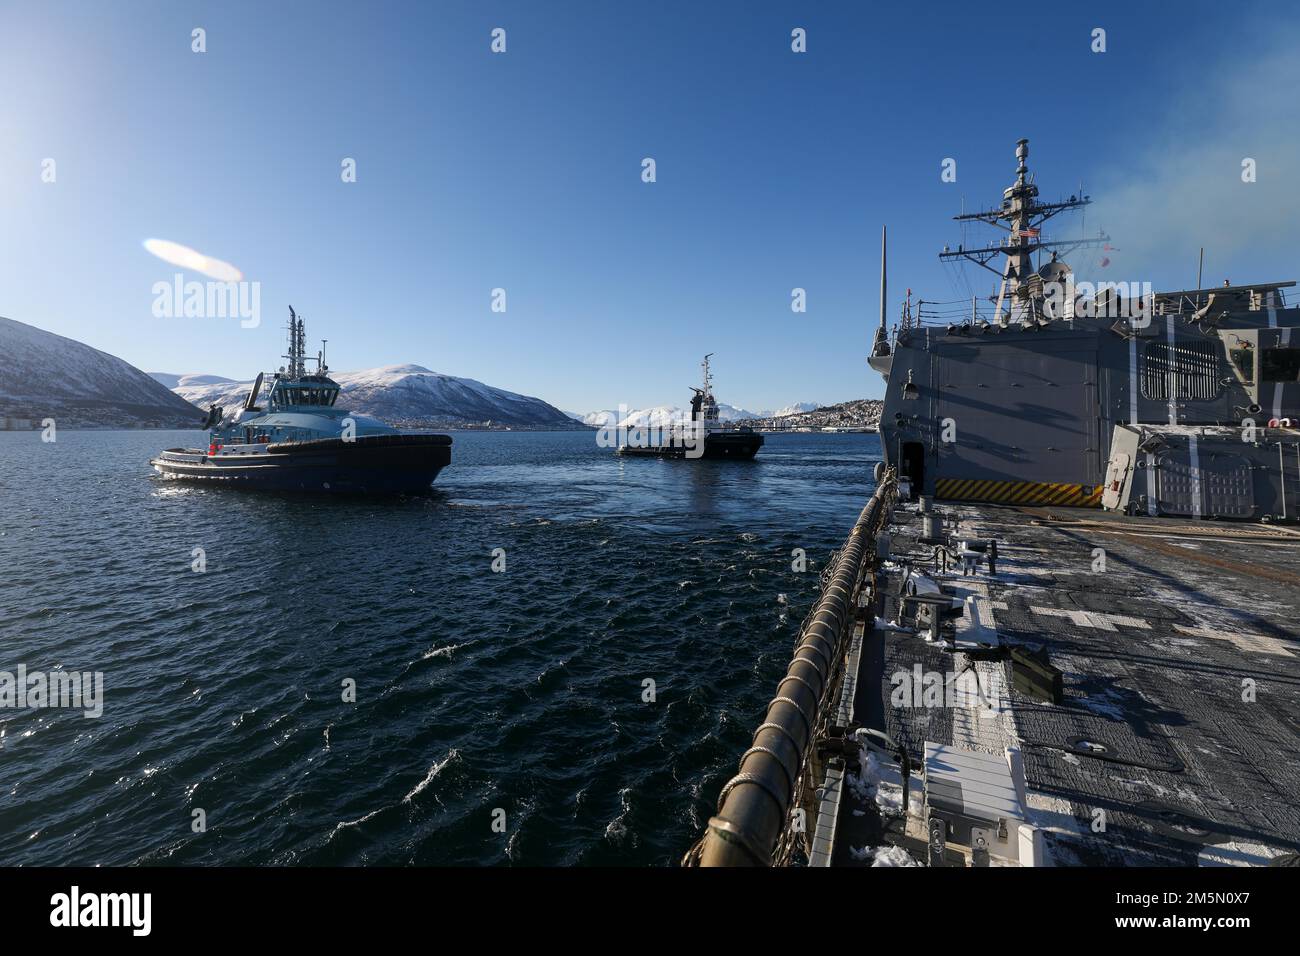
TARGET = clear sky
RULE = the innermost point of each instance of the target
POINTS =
(522, 171)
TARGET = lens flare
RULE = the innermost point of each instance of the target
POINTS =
(192, 259)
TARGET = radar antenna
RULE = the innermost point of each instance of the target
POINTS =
(1021, 215)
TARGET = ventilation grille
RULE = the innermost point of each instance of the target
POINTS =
(1193, 369)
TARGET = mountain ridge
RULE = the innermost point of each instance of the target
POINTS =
(858, 414)
(658, 415)
(406, 396)
(46, 375)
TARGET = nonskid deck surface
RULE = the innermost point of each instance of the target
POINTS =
(1177, 641)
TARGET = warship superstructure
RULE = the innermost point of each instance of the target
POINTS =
(300, 440)
(1170, 403)
(1063, 630)
(703, 436)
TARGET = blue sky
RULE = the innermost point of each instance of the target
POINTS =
(523, 171)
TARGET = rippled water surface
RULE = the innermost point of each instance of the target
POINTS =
(476, 690)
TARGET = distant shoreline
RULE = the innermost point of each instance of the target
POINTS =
(405, 428)
(871, 430)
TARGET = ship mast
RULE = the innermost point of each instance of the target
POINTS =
(1021, 215)
(296, 355)
(881, 358)
(708, 405)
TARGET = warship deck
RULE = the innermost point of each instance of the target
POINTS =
(1177, 738)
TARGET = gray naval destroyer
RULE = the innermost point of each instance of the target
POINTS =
(1063, 631)
(300, 440)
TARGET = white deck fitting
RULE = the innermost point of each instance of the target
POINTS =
(977, 786)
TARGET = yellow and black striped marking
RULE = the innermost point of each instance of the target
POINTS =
(1019, 492)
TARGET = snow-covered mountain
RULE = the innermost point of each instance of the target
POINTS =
(655, 417)
(730, 413)
(43, 375)
(661, 415)
(403, 395)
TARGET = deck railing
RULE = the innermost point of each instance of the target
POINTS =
(780, 771)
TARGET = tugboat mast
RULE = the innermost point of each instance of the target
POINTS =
(708, 405)
(296, 355)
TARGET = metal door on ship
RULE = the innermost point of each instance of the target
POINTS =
(1017, 416)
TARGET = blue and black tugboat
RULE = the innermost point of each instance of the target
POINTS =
(704, 436)
(301, 441)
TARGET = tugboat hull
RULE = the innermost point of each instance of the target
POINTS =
(370, 464)
(742, 445)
